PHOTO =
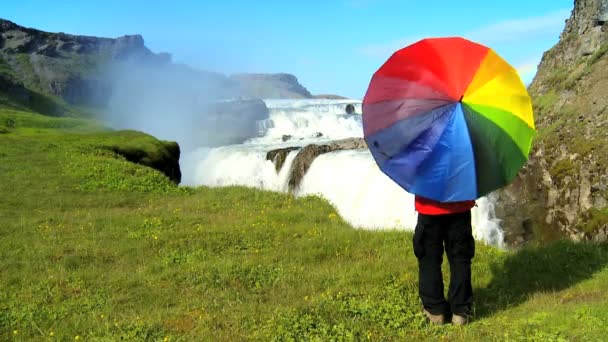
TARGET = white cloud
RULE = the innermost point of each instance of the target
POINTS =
(527, 71)
(520, 29)
(511, 30)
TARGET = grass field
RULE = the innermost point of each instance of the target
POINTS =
(95, 248)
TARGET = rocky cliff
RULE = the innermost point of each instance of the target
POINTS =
(49, 72)
(563, 190)
(64, 66)
(271, 86)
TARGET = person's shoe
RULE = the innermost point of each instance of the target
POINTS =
(435, 319)
(460, 320)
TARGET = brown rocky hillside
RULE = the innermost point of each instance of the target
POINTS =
(563, 190)
(51, 72)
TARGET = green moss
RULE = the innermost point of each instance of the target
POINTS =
(562, 168)
(572, 81)
(545, 134)
(593, 220)
(143, 149)
(6, 69)
(546, 102)
(86, 64)
(27, 72)
(564, 78)
(558, 77)
(584, 146)
(544, 234)
(598, 54)
(45, 104)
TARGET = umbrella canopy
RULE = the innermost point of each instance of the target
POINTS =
(448, 119)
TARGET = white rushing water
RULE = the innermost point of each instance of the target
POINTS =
(349, 179)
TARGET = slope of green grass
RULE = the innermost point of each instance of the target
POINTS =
(5, 68)
(93, 247)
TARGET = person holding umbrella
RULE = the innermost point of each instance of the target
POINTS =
(449, 121)
(444, 225)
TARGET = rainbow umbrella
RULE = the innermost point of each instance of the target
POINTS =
(448, 119)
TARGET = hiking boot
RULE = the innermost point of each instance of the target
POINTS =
(460, 320)
(435, 319)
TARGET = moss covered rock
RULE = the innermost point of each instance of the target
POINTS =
(564, 177)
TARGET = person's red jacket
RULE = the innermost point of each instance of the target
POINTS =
(429, 207)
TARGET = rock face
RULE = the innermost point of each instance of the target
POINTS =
(271, 86)
(65, 66)
(231, 122)
(89, 71)
(307, 155)
(14, 89)
(279, 156)
(563, 190)
(18, 39)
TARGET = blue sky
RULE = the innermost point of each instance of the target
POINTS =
(331, 46)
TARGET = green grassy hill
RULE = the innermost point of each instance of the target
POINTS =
(96, 248)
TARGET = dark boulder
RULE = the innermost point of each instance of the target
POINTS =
(350, 108)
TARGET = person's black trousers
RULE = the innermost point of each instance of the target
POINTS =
(434, 233)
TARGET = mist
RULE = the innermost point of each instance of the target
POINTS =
(178, 103)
